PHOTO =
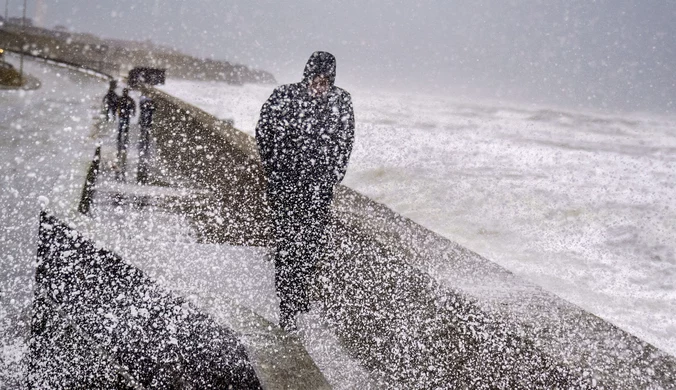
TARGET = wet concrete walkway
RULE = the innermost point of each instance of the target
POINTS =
(45, 144)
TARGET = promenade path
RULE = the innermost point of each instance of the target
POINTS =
(46, 143)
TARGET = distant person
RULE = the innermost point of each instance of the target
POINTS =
(110, 101)
(146, 110)
(126, 108)
(304, 135)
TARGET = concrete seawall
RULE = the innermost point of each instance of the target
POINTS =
(411, 305)
(213, 155)
(99, 322)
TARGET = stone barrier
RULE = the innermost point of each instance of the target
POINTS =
(213, 155)
(100, 323)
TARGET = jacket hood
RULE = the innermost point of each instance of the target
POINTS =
(320, 63)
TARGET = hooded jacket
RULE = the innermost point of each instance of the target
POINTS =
(307, 140)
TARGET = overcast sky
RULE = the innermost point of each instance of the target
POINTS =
(615, 55)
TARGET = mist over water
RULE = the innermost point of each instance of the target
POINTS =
(591, 56)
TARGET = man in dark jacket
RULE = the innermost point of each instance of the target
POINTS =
(126, 108)
(110, 101)
(304, 135)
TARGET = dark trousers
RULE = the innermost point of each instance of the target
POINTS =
(122, 144)
(300, 215)
(110, 113)
(143, 154)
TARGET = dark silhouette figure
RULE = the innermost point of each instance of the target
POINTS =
(126, 108)
(110, 101)
(305, 135)
(146, 110)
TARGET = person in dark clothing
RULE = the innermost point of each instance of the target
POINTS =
(146, 110)
(304, 134)
(126, 108)
(110, 101)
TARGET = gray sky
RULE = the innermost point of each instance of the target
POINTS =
(615, 55)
